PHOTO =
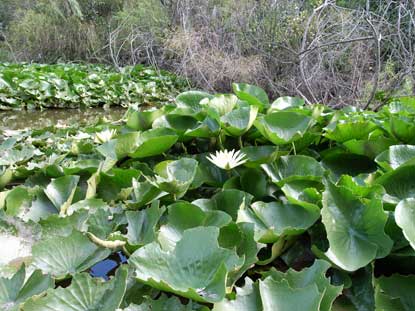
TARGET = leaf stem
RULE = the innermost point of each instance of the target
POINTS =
(241, 145)
(276, 250)
(104, 243)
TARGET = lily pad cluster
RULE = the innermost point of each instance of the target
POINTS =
(216, 202)
(32, 86)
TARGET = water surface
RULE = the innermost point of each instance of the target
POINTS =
(37, 119)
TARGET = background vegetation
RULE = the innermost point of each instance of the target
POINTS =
(357, 52)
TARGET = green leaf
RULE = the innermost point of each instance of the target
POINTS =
(176, 122)
(240, 237)
(17, 200)
(345, 130)
(254, 182)
(208, 128)
(402, 128)
(142, 225)
(111, 183)
(229, 201)
(338, 162)
(16, 156)
(175, 177)
(196, 268)
(355, 227)
(165, 303)
(312, 278)
(61, 192)
(257, 155)
(84, 294)
(273, 220)
(144, 193)
(405, 219)
(191, 100)
(247, 299)
(399, 183)
(283, 127)
(222, 103)
(254, 95)
(396, 156)
(60, 256)
(141, 120)
(278, 295)
(362, 293)
(6, 176)
(370, 147)
(395, 293)
(16, 290)
(308, 289)
(239, 121)
(305, 193)
(139, 144)
(153, 142)
(183, 216)
(294, 168)
(286, 102)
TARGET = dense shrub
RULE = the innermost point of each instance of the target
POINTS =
(338, 53)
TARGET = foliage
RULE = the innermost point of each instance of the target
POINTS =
(318, 212)
(71, 86)
(323, 51)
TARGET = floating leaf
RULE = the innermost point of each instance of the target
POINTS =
(405, 219)
(61, 191)
(286, 102)
(142, 225)
(294, 168)
(239, 121)
(196, 268)
(84, 294)
(252, 94)
(282, 127)
(396, 156)
(60, 256)
(355, 228)
(395, 293)
(17, 289)
(273, 220)
(175, 176)
(399, 183)
(308, 289)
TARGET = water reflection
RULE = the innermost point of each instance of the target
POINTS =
(38, 119)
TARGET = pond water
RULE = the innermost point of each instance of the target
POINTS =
(37, 119)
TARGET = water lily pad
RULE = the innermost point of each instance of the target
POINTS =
(395, 293)
(239, 121)
(275, 219)
(308, 289)
(84, 294)
(61, 191)
(283, 127)
(355, 228)
(17, 289)
(196, 268)
(60, 256)
(252, 94)
(294, 168)
(175, 176)
(396, 156)
(405, 219)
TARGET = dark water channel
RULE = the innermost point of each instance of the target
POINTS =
(104, 269)
(14, 120)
